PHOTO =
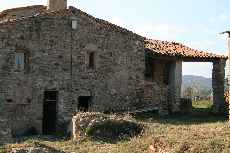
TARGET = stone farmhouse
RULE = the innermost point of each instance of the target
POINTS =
(56, 61)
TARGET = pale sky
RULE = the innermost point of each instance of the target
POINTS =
(195, 23)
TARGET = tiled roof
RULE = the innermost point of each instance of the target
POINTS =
(165, 48)
(69, 12)
(39, 7)
(60, 13)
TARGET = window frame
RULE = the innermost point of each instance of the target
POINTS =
(20, 60)
(26, 54)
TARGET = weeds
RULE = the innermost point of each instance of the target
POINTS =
(199, 132)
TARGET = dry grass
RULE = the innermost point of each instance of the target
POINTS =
(198, 133)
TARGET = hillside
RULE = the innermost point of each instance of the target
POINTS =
(197, 81)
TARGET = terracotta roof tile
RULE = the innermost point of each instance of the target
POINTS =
(23, 8)
(176, 49)
(69, 12)
(40, 8)
(60, 13)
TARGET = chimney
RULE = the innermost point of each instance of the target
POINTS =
(55, 5)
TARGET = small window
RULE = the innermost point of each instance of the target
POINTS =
(84, 103)
(92, 60)
(20, 61)
(74, 24)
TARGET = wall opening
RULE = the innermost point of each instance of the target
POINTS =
(166, 73)
(50, 112)
(84, 103)
(92, 60)
(197, 85)
(19, 61)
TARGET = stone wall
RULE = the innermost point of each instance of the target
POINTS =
(218, 82)
(164, 90)
(156, 90)
(185, 106)
(5, 132)
(175, 86)
(58, 60)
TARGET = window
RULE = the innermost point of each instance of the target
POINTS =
(92, 60)
(74, 24)
(19, 61)
(84, 103)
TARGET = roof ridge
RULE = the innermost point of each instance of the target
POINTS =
(24, 7)
(102, 21)
(62, 12)
(71, 11)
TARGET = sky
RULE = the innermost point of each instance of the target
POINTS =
(195, 23)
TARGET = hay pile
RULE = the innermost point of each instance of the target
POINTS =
(107, 128)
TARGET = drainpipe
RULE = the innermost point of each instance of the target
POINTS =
(71, 65)
(73, 29)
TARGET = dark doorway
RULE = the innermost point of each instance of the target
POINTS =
(84, 103)
(167, 73)
(50, 112)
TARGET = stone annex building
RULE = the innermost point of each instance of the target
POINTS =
(55, 61)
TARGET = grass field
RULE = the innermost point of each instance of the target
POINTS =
(202, 104)
(199, 132)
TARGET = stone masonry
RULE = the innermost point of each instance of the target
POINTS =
(94, 64)
(57, 60)
(218, 81)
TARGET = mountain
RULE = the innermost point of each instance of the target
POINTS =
(196, 81)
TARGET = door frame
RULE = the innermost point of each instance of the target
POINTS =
(44, 130)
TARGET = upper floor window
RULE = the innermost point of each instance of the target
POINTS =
(92, 60)
(20, 61)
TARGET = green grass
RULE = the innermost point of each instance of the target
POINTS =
(2, 150)
(202, 104)
(199, 132)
